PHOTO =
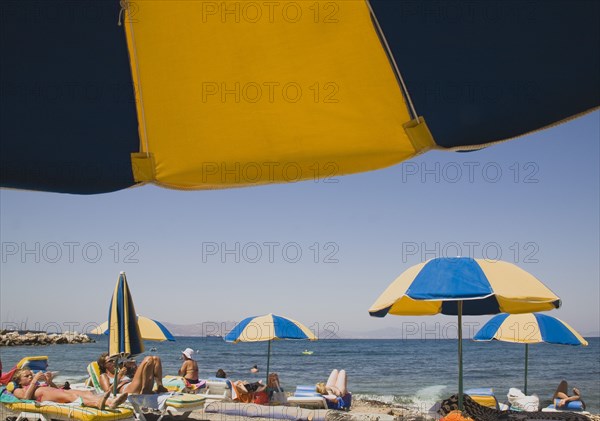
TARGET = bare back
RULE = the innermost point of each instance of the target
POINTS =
(189, 370)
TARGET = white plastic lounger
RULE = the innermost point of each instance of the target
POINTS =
(217, 390)
(307, 397)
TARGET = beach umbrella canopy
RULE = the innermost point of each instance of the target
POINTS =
(269, 327)
(151, 330)
(124, 337)
(203, 95)
(529, 328)
(463, 286)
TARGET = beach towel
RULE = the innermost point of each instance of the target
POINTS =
(151, 401)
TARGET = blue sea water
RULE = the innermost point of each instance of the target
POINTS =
(414, 373)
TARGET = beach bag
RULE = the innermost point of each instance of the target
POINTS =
(521, 402)
(261, 398)
(279, 396)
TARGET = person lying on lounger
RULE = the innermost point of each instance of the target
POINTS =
(562, 394)
(336, 384)
(146, 374)
(39, 386)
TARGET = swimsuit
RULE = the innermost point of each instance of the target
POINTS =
(124, 385)
(27, 387)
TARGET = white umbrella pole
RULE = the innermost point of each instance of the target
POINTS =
(460, 361)
(268, 361)
(526, 356)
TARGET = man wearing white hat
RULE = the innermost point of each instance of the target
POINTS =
(189, 368)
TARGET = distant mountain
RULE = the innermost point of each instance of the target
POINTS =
(203, 329)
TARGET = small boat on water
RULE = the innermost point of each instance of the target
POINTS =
(152, 349)
(307, 352)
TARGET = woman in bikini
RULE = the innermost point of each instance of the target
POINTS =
(30, 386)
(562, 394)
(142, 382)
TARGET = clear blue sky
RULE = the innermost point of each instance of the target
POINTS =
(541, 212)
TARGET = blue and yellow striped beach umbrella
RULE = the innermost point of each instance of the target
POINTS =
(462, 285)
(99, 96)
(269, 327)
(124, 337)
(529, 328)
(151, 330)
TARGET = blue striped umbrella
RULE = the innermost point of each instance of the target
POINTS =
(463, 286)
(124, 337)
(151, 330)
(269, 327)
(529, 328)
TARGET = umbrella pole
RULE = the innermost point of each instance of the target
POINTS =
(526, 356)
(268, 361)
(116, 380)
(460, 365)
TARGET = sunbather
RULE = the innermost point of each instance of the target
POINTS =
(562, 394)
(189, 368)
(146, 374)
(40, 387)
(336, 384)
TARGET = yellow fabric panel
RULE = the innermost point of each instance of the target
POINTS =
(396, 290)
(517, 290)
(234, 93)
(409, 307)
(258, 330)
(489, 401)
(519, 328)
(100, 329)
(149, 330)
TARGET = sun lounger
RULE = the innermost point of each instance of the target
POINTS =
(307, 397)
(485, 396)
(162, 404)
(573, 406)
(217, 390)
(46, 411)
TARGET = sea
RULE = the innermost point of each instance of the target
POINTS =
(412, 373)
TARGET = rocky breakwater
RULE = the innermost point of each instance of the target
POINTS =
(13, 338)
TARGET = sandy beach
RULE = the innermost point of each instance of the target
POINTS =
(362, 410)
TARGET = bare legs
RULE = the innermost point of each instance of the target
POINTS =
(88, 398)
(337, 383)
(147, 373)
(561, 393)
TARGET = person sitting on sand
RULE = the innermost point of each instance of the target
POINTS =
(189, 368)
(336, 384)
(146, 374)
(562, 394)
(254, 369)
(30, 386)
